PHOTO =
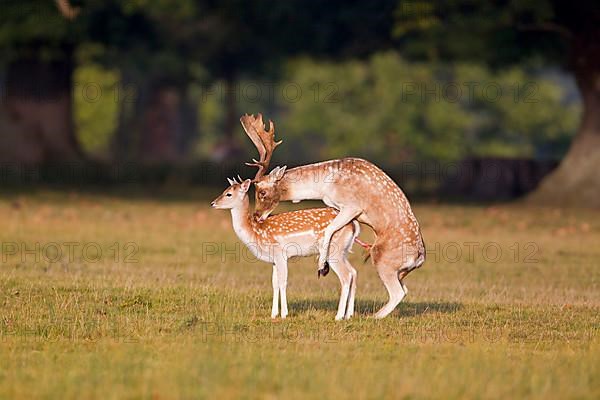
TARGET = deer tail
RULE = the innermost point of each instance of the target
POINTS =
(355, 233)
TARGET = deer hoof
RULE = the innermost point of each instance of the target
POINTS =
(323, 271)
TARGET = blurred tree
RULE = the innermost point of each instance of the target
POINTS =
(159, 48)
(157, 118)
(393, 111)
(37, 38)
(95, 108)
(507, 32)
(237, 39)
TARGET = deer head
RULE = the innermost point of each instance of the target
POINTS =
(268, 193)
(234, 195)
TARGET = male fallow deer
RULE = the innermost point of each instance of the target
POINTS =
(292, 234)
(359, 190)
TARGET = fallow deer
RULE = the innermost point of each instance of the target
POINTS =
(292, 234)
(359, 190)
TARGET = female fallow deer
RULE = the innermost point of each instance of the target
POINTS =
(291, 234)
(359, 190)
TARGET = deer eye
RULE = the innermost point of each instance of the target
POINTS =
(228, 195)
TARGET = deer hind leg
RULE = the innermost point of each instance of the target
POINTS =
(345, 278)
(409, 266)
(353, 273)
(337, 260)
(401, 275)
(350, 307)
(391, 281)
(345, 216)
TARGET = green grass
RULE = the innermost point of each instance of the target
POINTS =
(171, 321)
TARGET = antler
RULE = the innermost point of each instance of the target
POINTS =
(235, 180)
(263, 140)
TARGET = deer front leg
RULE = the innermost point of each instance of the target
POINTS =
(275, 306)
(346, 215)
(282, 274)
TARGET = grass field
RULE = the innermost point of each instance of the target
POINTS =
(506, 306)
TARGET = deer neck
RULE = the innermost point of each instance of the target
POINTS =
(242, 222)
(300, 184)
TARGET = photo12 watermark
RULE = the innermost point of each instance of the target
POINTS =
(468, 92)
(487, 252)
(272, 92)
(68, 252)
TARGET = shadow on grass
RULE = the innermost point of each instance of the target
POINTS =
(369, 307)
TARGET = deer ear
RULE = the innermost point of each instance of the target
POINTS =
(245, 185)
(277, 173)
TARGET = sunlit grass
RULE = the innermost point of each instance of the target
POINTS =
(168, 320)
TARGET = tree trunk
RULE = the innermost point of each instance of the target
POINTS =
(161, 125)
(36, 117)
(130, 91)
(156, 123)
(228, 147)
(576, 182)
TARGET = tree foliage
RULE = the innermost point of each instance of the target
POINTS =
(497, 32)
(422, 111)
